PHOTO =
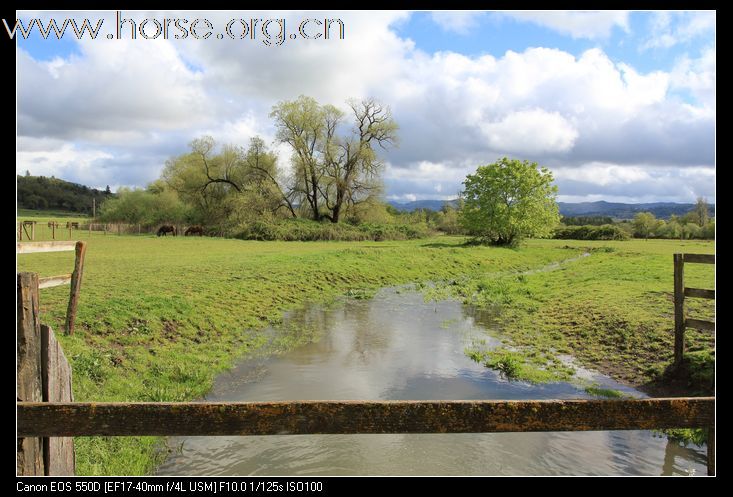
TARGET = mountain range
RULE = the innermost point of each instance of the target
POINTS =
(616, 210)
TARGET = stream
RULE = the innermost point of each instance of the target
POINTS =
(396, 346)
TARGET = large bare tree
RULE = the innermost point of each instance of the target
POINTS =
(334, 171)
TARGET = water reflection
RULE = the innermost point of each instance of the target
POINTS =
(396, 346)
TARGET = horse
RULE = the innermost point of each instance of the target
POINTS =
(194, 230)
(167, 228)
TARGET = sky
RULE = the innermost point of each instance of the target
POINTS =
(619, 105)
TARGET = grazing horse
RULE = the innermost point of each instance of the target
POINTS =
(167, 228)
(194, 230)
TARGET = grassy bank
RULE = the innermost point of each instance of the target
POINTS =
(160, 317)
(612, 310)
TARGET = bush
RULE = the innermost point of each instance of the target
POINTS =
(588, 232)
(306, 230)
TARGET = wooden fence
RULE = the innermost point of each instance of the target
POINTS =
(74, 278)
(47, 417)
(680, 292)
(43, 375)
(53, 230)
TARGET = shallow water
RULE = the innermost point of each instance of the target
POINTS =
(396, 346)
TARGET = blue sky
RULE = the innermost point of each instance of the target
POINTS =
(620, 105)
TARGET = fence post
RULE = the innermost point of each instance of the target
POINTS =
(29, 388)
(679, 309)
(711, 450)
(81, 248)
(58, 452)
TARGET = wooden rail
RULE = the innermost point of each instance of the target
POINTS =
(35, 247)
(320, 417)
(680, 292)
(52, 281)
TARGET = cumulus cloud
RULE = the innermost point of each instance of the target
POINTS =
(531, 131)
(635, 183)
(577, 24)
(111, 93)
(114, 112)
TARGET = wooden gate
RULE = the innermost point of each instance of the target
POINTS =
(680, 292)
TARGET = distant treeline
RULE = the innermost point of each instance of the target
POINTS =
(587, 220)
(42, 193)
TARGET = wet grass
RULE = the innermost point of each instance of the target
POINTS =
(159, 318)
(608, 393)
(612, 311)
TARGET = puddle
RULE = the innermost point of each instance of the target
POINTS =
(398, 347)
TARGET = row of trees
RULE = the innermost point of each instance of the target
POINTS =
(335, 172)
(694, 224)
(40, 192)
(335, 175)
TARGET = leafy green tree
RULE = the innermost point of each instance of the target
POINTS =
(701, 211)
(509, 200)
(228, 187)
(691, 231)
(448, 220)
(644, 224)
(138, 206)
(708, 231)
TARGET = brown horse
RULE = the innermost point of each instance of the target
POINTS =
(194, 230)
(165, 229)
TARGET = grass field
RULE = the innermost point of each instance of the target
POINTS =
(45, 216)
(160, 317)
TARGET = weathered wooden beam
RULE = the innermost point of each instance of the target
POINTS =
(700, 258)
(34, 247)
(711, 451)
(679, 309)
(52, 281)
(700, 293)
(81, 248)
(699, 324)
(29, 459)
(58, 452)
(312, 417)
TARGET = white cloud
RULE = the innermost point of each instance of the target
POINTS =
(111, 93)
(697, 76)
(460, 22)
(667, 29)
(578, 24)
(531, 131)
(603, 174)
(635, 183)
(59, 159)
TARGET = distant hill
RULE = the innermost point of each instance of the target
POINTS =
(601, 208)
(42, 193)
(434, 205)
(626, 211)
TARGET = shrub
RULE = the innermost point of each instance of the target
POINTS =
(306, 230)
(588, 232)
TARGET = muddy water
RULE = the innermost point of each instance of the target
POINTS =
(396, 346)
